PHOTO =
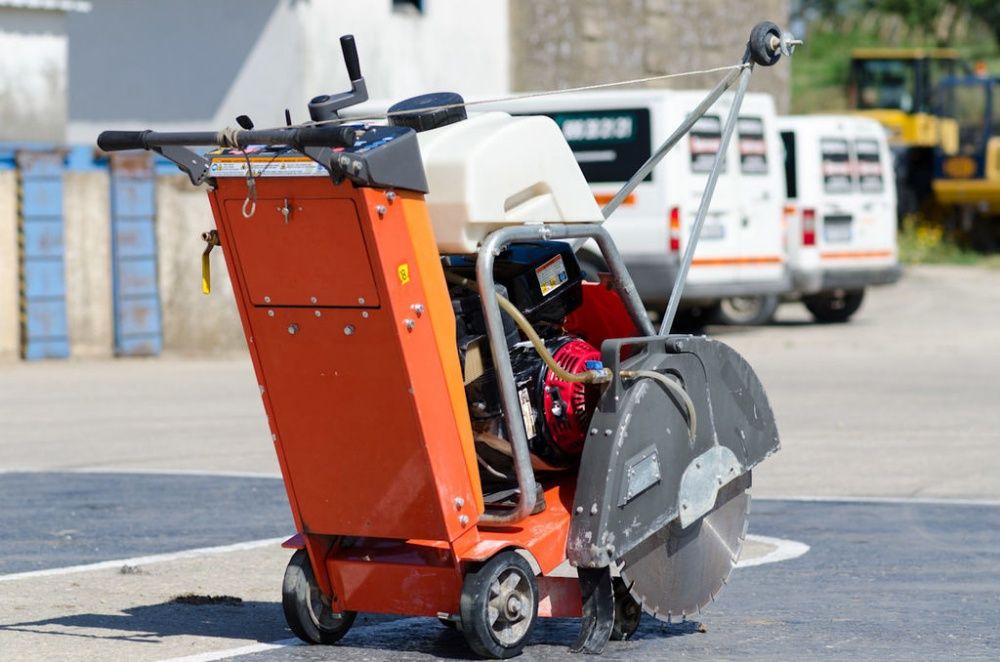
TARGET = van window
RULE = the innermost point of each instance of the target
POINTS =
(836, 165)
(753, 148)
(791, 180)
(704, 140)
(609, 145)
(869, 165)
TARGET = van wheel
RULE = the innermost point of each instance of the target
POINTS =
(834, 307)
(746, 311)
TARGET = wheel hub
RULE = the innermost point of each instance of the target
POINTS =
(505, 608)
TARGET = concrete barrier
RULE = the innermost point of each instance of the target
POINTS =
(9, 314)
(192, 322)
(89, 308)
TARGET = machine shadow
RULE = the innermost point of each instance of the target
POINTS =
(239, 620)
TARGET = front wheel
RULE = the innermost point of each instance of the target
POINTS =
(746, 310)
(499, 606)
(834, 307)
(307, 610)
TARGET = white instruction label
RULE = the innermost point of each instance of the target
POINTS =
(526, 413)
(551, 275)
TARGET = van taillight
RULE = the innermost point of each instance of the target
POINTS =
(808, 227)
(675, 229)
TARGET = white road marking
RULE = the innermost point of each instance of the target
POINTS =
(146, 560)
(784, 550)
(929, 501)
(233, 652)
(144, 472)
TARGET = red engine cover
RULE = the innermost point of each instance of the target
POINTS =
(568, 427)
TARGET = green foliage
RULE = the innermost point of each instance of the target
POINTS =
(836, 27)
(925, 241)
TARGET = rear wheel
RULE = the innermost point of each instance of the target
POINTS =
(499, 606)
(834, 307)
(307, 610)
(747, 310)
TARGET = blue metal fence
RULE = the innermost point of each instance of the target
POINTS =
(42, 273)
(138, 327)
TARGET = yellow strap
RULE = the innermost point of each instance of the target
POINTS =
(211, 241)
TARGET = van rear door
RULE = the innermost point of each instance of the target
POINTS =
(761, 231)
(876, 216)
(835, 216)
(718, 253)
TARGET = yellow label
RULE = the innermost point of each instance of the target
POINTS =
(403, 271)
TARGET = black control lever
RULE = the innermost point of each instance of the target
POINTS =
(326, 106)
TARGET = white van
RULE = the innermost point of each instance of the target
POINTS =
(739, 268)
(841, 211)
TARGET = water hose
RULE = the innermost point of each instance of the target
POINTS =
(601, 376)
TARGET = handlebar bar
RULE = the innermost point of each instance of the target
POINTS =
(300, 137)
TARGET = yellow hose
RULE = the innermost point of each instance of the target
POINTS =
(587, 377)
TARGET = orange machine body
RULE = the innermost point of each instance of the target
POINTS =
(352, 335)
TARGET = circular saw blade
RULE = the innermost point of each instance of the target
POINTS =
(675, 572)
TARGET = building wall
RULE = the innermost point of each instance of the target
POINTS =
(197, 65)
(567, 43)
(32, 75)
(10, 329)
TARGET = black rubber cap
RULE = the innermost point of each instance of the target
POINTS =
(412, 113)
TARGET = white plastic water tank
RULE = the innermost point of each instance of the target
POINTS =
(494, 170)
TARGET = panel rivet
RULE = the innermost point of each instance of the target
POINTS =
(349, 330)
(390, 195)
(459, 502)
(267, 299)
(418, 308)
(312, 299)
(361, 300)
(409, 324)
(364, 314)
(270, 313)
(317, 313)
(293, 329)
(463, 519)
(380, 209)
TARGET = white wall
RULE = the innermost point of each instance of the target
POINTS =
(32, 75)
(294, 55)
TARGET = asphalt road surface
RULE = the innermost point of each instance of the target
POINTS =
(900, 403)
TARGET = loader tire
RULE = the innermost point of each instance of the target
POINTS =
(307, 610)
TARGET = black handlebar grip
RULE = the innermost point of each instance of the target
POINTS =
(116, 141)
(350, 56)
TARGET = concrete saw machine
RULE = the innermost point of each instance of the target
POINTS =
(467, 427)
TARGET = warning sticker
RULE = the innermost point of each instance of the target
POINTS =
(283, 167)
(526, 413)
(551, 275)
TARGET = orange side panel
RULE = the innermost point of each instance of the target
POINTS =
(356, 394)
(429, 264)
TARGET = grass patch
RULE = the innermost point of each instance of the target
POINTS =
(922, 241)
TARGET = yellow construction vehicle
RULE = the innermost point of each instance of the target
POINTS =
(899, 87)
(967, 180)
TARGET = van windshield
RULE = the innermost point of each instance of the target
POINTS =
(609, 145)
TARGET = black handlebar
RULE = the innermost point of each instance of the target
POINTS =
(350, 57)
(309, 136)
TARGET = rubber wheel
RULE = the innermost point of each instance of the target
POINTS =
(499, 606)
(746, 311)
(835, 307)
(759, 44)
(628, 612)
(307, 610)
